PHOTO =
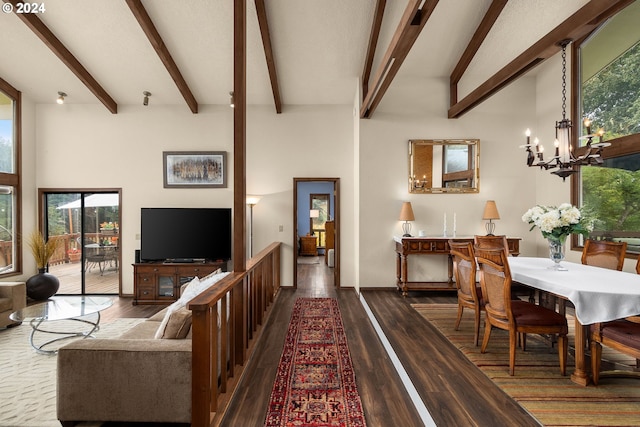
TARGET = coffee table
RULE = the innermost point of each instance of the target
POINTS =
(82, 309)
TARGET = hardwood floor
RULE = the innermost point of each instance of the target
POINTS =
(453, 389)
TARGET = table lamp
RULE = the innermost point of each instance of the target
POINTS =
(490, 213)
(406, 215)
(313, 213)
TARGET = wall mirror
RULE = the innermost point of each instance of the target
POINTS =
(444, 166)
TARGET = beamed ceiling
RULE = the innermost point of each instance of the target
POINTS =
(305, 52)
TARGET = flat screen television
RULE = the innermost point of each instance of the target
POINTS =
(185, 234)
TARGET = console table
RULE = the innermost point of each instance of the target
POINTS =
(406, 246)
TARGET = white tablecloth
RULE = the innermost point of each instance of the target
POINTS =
(598, 294)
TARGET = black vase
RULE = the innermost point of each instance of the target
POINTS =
(42, 286)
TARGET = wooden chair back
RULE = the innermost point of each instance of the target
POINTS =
(605, 254)
(495, 281)
(491, 242)
(464, 268)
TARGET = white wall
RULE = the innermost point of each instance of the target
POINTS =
(302, 142)
(418, 110)
(29, 193)
(84, 146)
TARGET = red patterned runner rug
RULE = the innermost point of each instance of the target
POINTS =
(315, 384)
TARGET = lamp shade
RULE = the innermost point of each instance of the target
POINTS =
(490, 210)
(253, 200)
(406, 213)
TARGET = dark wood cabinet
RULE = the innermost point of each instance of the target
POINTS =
(159, 283)
(329, 242)
(308, 246)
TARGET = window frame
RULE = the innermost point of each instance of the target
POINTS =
(15, 179)
(625, 145)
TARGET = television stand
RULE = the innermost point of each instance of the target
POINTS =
(160, 282)
(183, 260)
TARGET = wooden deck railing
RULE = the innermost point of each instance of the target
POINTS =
(225, 320)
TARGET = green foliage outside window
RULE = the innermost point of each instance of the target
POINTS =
(611, 99)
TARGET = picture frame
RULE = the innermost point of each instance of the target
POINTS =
(194, 169)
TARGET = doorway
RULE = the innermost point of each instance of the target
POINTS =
(316, 219)
(88, 224)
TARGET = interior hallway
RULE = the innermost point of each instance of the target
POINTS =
(454, 390)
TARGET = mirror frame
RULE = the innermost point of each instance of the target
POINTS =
(416, 186)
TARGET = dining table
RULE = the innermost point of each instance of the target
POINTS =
(597, 294)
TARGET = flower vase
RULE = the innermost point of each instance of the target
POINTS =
(556, 252)
(42, 286)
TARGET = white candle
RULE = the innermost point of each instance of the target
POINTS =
(444, 232)
(454, 224)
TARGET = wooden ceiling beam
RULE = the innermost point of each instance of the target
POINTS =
(376, 24)
(161, 49)
(476, 41)
(268, 53)
(411, 24)
(59, 49)
(581, 23)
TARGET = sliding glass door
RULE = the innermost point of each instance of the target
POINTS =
(88, 224)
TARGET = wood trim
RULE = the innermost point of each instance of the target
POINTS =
(15, 179)
(411, 24)
(44, 33)
(268, 53)
(239, 135)
(376, 24)
(582, 22)
(476, 41)
(161, 49)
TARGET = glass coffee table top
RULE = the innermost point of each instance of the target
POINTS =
(83, 309)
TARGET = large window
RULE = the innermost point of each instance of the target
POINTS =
(609, 95)
(10, 260)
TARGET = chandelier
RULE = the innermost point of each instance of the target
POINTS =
(564, 159)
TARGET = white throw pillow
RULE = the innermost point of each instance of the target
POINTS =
(167, 316)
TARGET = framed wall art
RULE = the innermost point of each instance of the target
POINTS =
(195, 169)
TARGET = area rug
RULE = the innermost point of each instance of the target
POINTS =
(537, 384)
(315, 384)
(28, 379)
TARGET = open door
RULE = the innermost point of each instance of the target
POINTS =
(316, 219)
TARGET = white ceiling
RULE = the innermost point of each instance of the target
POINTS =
(319, 47)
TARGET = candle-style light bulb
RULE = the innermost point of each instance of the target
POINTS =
(587, 124)
(601, 133)
(527, 134)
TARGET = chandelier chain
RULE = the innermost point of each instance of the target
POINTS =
(564, 81)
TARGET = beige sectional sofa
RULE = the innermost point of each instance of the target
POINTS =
(137, 377)
(13, 297)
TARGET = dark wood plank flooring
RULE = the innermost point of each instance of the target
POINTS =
(453, 389)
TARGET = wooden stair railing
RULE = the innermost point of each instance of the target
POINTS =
(226, 319)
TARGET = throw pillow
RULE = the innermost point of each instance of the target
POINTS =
(176, 326)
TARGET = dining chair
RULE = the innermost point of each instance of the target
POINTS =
(515, 316)
(500, 241)
(469, 291)
(605, 254)
(491, 242)
(622, 335)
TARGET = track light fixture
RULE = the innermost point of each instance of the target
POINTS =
(232, 101)
(145, 101)
(61, 96)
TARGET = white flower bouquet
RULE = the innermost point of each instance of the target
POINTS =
(556, 223)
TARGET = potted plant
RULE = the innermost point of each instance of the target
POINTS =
(74, 255)
(43, 285)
